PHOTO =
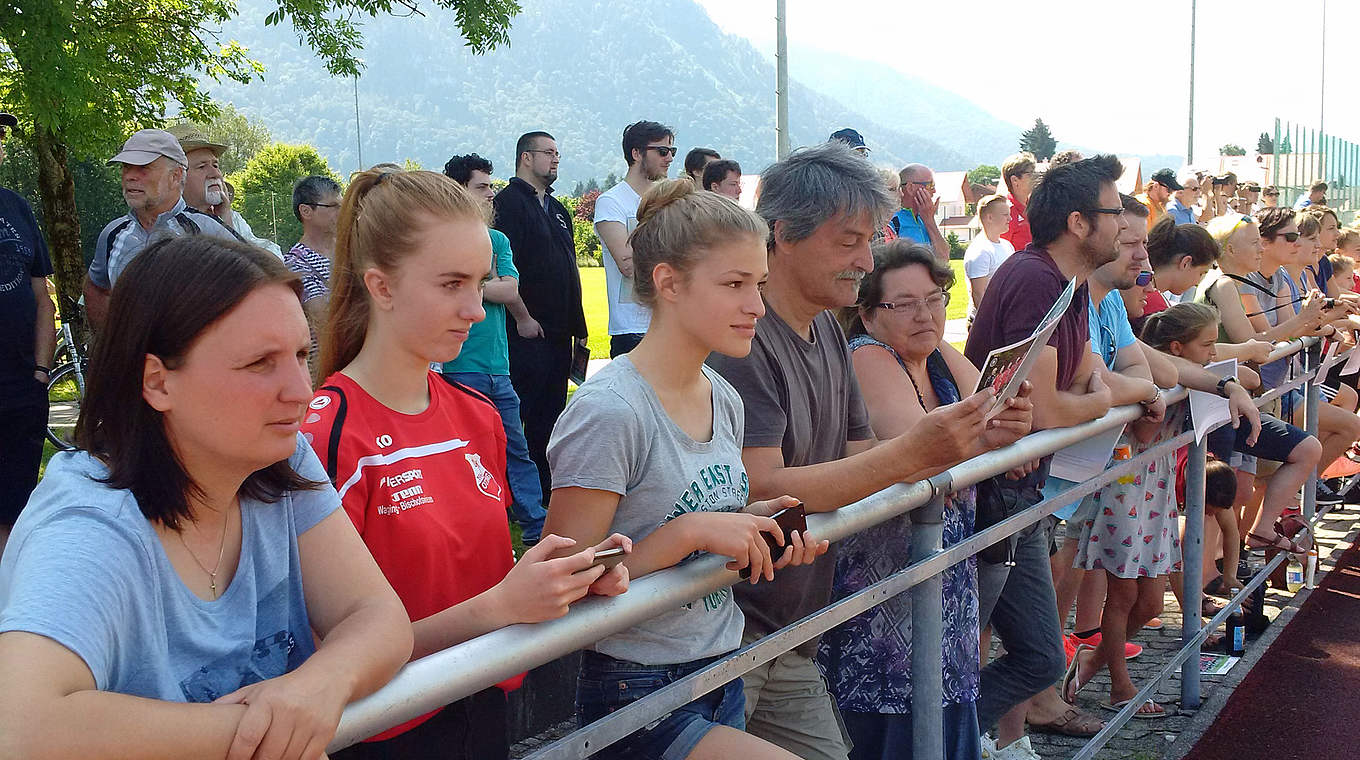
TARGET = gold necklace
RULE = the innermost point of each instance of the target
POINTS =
(221, 552)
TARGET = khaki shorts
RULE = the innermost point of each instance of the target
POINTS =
(787, 704)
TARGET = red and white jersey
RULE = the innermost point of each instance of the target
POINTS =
(426, 491)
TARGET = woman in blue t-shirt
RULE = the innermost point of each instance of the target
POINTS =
(191, 550)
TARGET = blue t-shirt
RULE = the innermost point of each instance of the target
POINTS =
(85, 568)
(487, 348)
(908, 224)
(1180, 212)
(1110, 328)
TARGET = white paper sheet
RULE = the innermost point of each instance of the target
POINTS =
(1352, 364)
(1085, 459)
(1206, 409)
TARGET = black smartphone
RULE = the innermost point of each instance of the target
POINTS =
(788, 519)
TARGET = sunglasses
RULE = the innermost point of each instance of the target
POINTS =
(926, 185)
(663, 150)
(1290, 237)
(1144, 278)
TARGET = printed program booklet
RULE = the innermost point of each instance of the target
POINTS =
(1007, 367)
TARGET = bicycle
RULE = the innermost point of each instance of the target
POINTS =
(65, 391)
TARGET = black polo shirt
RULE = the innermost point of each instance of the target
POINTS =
(544, 248)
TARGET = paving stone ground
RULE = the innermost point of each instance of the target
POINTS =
(1163, 739)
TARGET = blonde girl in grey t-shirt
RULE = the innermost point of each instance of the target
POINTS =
(651, 447)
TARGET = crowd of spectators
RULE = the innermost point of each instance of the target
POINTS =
(294, 469)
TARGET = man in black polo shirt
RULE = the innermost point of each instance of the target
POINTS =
(540, 233)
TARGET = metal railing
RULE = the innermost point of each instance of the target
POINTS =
(1304, 155)
(449, 675)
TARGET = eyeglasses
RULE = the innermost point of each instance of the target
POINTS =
(552, 153)
(1110, 211)
(663, 150)
(321, 205)
(934, 302)
(1144, 278)
(927, 185)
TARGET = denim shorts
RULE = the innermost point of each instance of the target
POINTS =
(1275, 443)
(607, 684)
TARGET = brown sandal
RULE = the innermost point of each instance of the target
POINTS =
(1279, 542)
(1073, 722)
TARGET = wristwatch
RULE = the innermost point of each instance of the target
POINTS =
(1223, 385)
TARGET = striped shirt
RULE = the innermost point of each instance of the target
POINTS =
(123, 238)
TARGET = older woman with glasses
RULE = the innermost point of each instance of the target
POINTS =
(905, 370)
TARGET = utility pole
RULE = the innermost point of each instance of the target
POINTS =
(1322, 94)
(1190, 137)
(781, 85)
(358, 140)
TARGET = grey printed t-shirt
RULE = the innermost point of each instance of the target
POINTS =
(615, 436)
(801, 396)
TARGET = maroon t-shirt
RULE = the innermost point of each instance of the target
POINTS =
(1021, 292)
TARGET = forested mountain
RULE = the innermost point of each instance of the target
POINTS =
(582, 69)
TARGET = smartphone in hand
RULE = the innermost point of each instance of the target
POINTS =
(788, 519)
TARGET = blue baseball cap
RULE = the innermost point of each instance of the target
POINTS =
(849, 137)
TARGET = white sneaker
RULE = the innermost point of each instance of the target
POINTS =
(988, 747)
(1019, 749)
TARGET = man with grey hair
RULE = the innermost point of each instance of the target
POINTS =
(916, 219)
(204, 188)
(154, 169)
(807, 430)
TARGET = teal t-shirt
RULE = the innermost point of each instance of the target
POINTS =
(486, 349)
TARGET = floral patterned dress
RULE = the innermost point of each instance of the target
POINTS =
(1130, 529)
(867, 659)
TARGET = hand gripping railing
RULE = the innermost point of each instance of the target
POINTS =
(449, 675)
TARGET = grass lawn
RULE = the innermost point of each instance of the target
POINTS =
(597, 307)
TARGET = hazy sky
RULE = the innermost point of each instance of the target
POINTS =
(1103, 74)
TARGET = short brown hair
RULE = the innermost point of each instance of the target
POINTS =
(1017, 165)
(169, 295)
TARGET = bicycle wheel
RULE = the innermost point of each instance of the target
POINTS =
(63, 407)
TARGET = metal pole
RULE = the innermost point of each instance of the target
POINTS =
(1322, 86)
(1190, 136)
(781, 84)
(927, 633)
(1275, 159)
(1192, 571)
(1314, 396)
(358, 140)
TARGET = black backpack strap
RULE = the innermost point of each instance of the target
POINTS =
(333, 445)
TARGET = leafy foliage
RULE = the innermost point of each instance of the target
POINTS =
(1265, 145)
(1285, 147)
(244, 137)
(984, 175)
(956, 246)
(1039, 141)
(585, 207)
(264, 189)
(1232, 150)
(98, 191)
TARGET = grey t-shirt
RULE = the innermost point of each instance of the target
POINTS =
(85, 568)
(615, 436)
(801, 396)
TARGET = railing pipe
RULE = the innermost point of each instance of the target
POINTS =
(927, 633)
(1192, 569)
(451, 674)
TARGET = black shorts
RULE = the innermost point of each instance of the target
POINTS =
(1278, 438)
(21, 448)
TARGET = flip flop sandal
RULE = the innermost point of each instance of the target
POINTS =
(1073, 722)
(1073, 676)
(1160, 712)
(1279, 542)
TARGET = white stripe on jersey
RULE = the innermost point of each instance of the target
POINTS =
(374, 460)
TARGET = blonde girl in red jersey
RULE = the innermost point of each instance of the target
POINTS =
(419, 462)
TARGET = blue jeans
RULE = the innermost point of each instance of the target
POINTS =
(526, 506)
(882, 736)
(607, 684)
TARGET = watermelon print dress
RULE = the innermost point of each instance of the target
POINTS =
(1131, 530)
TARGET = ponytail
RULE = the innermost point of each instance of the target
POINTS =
(1180, 323)
(381, 217)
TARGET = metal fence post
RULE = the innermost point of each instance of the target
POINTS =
(927, 630)
(1192, 571)
(1314, 397)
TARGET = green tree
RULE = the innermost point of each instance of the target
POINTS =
(1232, 150)
(243, 136)
(81, 75)
(1265, 145)
(411, 165)
(264, 189)
(1039, 141)
(956, 246)
(984, 175)
(1285, 147)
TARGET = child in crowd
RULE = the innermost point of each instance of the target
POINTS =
(419, 462)
(651, 446)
